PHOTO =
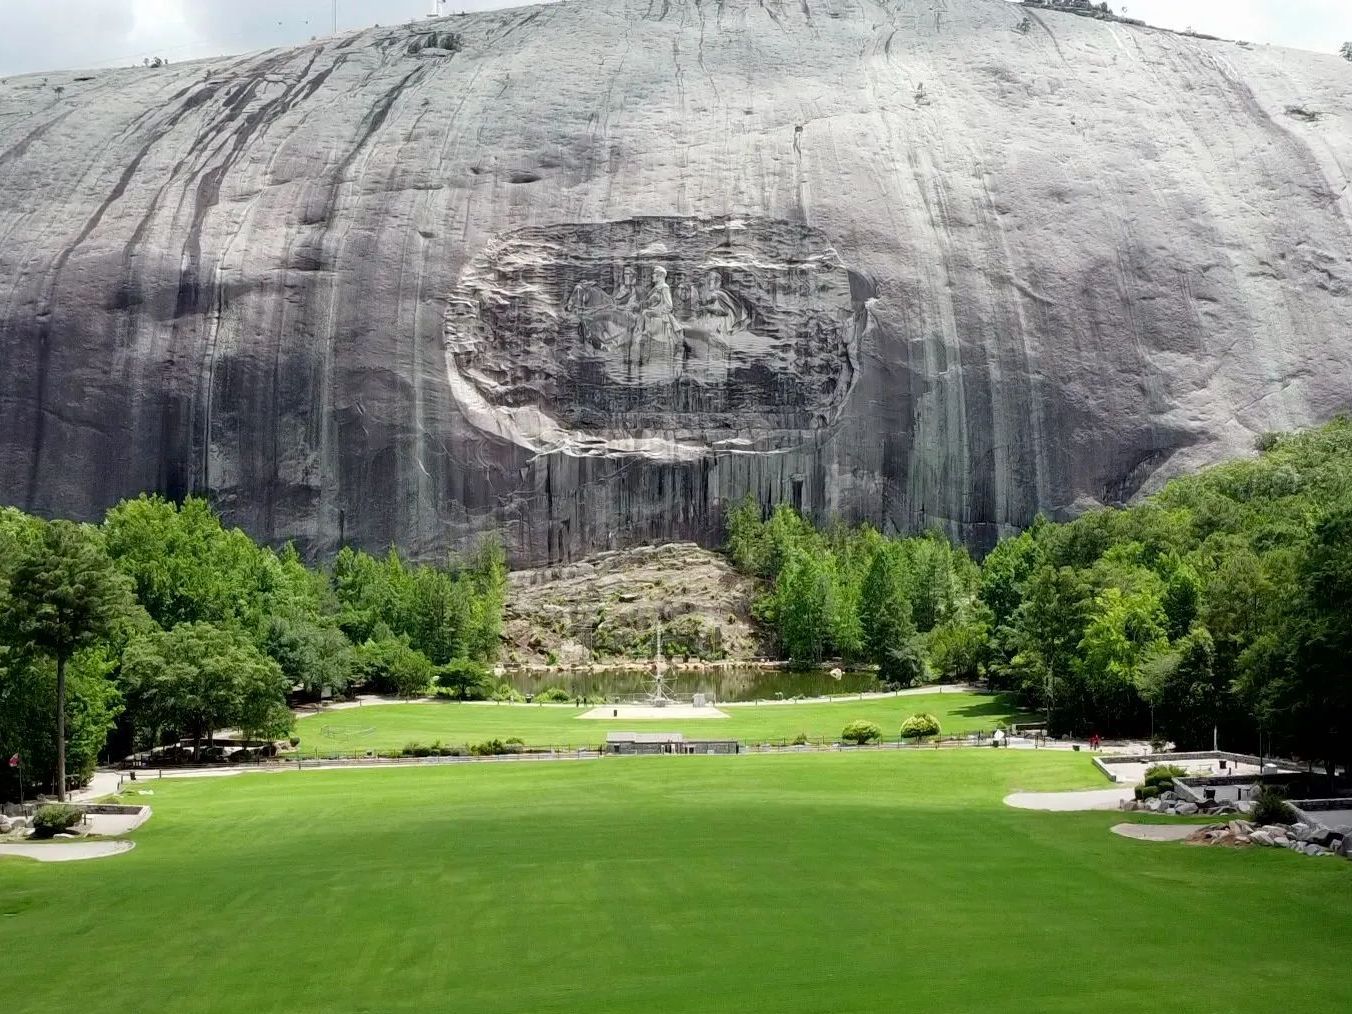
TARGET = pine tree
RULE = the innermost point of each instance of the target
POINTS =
(65, 594)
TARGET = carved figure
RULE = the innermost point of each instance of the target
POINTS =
(727, 311)
(659, 336)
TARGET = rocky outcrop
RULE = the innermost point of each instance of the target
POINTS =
(613, 605)
(585, 272)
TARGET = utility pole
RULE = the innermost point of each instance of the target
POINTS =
(335, 17)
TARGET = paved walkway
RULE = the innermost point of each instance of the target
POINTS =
(1154, 832)
(66, 851)
(104, 783)
(1067, 802)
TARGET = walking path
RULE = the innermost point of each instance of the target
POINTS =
(1066, 802)
(66, 851)
(1154, 832)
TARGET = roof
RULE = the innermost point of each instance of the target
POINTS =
(644, 737)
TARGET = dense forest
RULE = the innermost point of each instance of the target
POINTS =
(1220, 606)
(160, 623)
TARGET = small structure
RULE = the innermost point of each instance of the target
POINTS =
(666, 742)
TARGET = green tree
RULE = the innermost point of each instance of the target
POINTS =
(1191, 700)
(392, 667)
(1181, 601)
(64, 595)
(884, 607)
(804, 606)
(197, 678)
(312, 654)
(1124, 631)
(27, 703)
(1047, 630)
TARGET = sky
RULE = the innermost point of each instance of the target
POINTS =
(37, 35)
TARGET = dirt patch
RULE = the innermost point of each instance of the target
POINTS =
(608, 607)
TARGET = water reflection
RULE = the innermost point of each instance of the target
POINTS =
(731, 684)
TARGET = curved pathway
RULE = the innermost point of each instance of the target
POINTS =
(1154, 832)
(66, 851)
(1064, 802)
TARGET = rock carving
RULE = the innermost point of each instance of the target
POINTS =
(692, 333)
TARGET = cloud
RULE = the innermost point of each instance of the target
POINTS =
(68, 34)
(1319, 25)
(50, 34)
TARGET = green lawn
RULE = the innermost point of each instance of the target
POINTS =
(792, 884)
(390, 726)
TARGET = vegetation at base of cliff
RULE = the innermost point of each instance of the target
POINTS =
(197, 628)
(1223, 603)
(908, 605)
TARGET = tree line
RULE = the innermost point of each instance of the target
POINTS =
(1219, 607)
(161, 624)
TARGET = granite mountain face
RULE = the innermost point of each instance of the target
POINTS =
(585, 272)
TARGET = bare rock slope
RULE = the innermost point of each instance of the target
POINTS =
(616, 605)
(584, 272)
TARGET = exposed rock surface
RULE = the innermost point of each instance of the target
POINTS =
(584, 272)
(610, 607)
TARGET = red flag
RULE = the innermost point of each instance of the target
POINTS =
(14, 761)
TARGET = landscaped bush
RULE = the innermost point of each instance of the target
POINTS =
(800, 739)
(1162, 776)
(1270, 807)
(416, 750)
(1144, 792)
(860, 732)
(553, 695)
(54, 818)
(920, 726)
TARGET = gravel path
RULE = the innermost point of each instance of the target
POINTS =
(1089, 799)
(1154, 832)
(66, 852)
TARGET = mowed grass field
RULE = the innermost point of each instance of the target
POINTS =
(773, 883)
(391, 726)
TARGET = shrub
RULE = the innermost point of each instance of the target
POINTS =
(1162, 776)
(54, 818)
(488, 748)
(919, 726)
(507, 693)
(416, 750)
(800, 739)
(1270, 807)
(553, 695)
(861, 732)
(1144, 792)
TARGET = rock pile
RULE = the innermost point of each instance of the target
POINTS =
(1302, 838)
(1170, 805)
(14, 825)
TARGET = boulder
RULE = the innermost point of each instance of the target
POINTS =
(1262, 838)
(1186, 809)
(6, 825)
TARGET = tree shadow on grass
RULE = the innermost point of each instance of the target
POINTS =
(1001, 707)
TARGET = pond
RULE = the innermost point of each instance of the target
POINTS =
(739, 683)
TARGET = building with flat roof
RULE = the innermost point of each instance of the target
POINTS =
(666, 742)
